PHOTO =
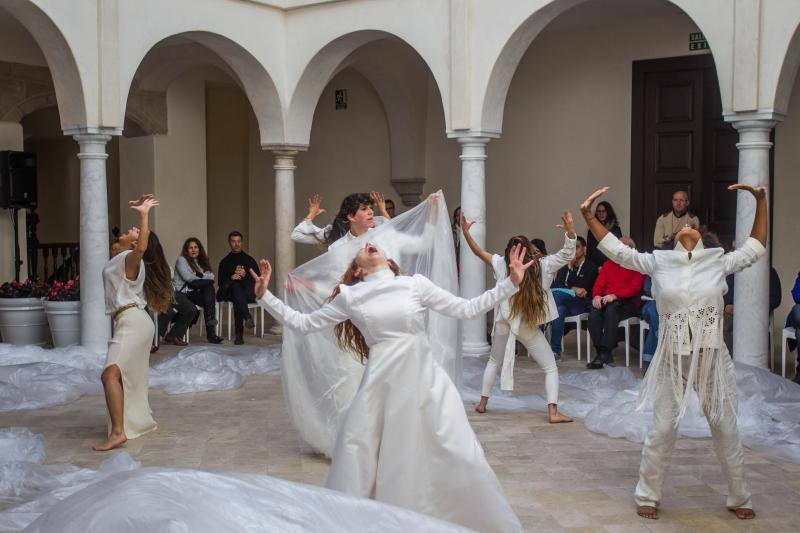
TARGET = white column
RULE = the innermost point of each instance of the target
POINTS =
(751, 297)
(94, 239)
(284, 216)
(473, 270)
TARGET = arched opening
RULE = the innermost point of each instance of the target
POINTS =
(197, 112)
(40, 94)
(385, 134)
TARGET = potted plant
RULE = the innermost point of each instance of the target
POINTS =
(22, 318)
(63, 308)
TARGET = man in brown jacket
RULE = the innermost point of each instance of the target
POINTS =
(671, 223)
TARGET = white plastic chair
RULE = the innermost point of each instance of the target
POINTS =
(626, 325)
(787, 333)
(257, 317)
(578, 321)
(643, 326)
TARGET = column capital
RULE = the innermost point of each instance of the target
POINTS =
(92, 131)
(285, 147)
(754, 120)
(473, 134)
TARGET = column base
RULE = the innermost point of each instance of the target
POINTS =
(475, 349)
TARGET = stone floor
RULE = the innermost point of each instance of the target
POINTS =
(558, 478)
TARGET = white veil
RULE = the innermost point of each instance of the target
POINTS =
(319, 379)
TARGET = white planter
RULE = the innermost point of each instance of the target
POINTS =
(22, 321)
(65, 322)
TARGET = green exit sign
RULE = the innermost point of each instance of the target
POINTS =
(697, 41)
(340, 99)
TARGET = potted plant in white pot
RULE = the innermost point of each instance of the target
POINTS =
(22, 318)
(63, 308)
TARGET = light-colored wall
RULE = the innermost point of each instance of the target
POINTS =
(349, 151)
(786, 200)
(567, 126)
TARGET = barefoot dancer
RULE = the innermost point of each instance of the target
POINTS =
(355, 217)
(688, 285)
(136, 276)
(521, 316)
(405, 439)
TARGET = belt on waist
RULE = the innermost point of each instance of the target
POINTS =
(122, 310)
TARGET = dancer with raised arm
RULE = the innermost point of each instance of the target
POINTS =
(137, 276)
(355, 217)
(688, 286)
(405, 439)
(521, 316)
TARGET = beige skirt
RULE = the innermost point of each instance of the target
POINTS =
(129, 349)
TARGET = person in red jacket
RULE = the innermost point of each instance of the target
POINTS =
(616, 295)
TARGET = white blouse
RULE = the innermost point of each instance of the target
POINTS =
(306, 232)
(119, 290)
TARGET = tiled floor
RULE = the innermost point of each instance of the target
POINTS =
(558, 478)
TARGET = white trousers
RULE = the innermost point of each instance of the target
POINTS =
(657, 451)
(538, 347)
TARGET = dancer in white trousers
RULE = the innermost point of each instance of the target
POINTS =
(688, 286)
(521, 316)
(405, 439)
(136, 276)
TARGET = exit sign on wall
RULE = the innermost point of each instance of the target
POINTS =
(340, 98)
(697, 41)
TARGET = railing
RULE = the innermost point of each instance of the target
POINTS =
(57, 261)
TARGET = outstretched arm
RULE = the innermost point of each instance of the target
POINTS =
(142, 205)
(595, 226)
(753, 248)
(380, 204)
(552, 263)
(482, 254)
(759, 231)
(328, 315)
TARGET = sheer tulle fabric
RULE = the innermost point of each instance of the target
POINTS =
(319, 379)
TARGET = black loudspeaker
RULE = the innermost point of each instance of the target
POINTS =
(17, 179)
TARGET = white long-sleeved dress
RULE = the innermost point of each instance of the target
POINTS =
(406, 439)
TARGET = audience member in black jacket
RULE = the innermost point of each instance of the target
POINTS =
(727, 320)
(236, 285)
(578, 276)
(607, 217)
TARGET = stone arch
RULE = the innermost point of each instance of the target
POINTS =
(69, 90)
(251, 74)
(322, 67)
(493, 96)
(788, 73)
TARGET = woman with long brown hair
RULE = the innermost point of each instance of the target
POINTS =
(405, 439)
(136, 276)
(521, 316)
(194, 280)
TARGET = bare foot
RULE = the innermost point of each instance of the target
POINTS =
(481, 407)
(113, 441)
(647, 511)
(744, 514)
(558, 418)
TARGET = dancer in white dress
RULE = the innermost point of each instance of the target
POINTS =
(521, 316)
(136, 276)
(355, 217)
(405, 439)
(688, 286)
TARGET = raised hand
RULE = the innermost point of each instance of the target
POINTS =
(262, 279)
(516, 264)
(586, 206)
(314, 207)
(379, 201)
(568, 224)
(466, 224)
(757, 192)
(144, 203)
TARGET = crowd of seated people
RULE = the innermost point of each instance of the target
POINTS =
(193, 281)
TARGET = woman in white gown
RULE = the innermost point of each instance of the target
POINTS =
(405, 439)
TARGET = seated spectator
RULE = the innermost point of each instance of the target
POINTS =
(194, 280)
(616, 295)
(727, 316)
(669, 224)
(649, 313)
(390, 207)
(793, 321)
(236, 284)
(572, 292)
(539, 246)
(606, 215)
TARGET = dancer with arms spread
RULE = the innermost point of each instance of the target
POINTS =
(135, 277)
(355, 217)
(405, 439)
(688, 286)
(521, 316)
